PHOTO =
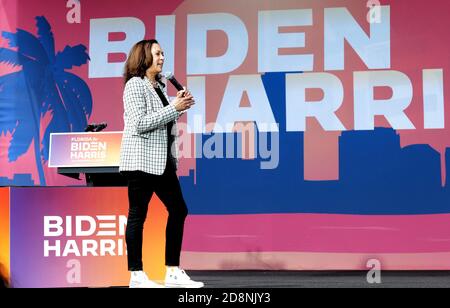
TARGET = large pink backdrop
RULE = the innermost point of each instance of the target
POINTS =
(416, 44)
(359, 160)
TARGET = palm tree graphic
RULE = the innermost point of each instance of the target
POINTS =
(41, 86)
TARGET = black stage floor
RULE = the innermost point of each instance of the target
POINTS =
(321, 279)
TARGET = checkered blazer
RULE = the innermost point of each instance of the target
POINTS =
(144, 141)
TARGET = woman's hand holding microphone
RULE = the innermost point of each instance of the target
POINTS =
(183, 101)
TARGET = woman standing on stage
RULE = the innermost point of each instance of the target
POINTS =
(148, 159)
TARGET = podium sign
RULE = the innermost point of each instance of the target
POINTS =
(99, 149)
(74, 237)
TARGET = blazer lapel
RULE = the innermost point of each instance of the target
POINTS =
(153, 92)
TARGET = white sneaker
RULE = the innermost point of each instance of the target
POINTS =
(177, 278)
(140, 280)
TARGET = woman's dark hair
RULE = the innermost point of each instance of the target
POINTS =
(139, 60)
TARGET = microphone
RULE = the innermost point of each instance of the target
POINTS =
(101, 127)
(96, 127)
(169, 76)
(90, 127)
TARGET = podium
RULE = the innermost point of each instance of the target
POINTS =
(95, 154)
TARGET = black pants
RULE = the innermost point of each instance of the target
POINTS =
(141, 187)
